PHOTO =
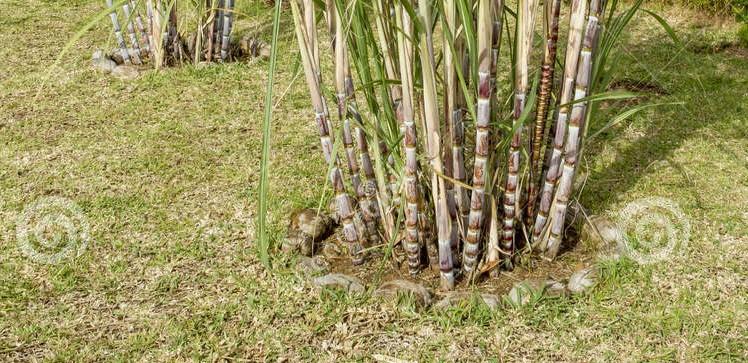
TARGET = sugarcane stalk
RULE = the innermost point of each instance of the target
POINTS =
(483, 116)
(345, 210)
(226, 29)
(131, 32)
(433, 142)
(218, 27)
(589, 111)
(411, 244)
(574, 135)
(145, 42)
(350, 153)
(552, 9)
(149, 26)
(339, 52)
(330, 18)
(576, 21)
(384, 196)
(346, 99)
(497, 10)
(176, 44)
(525, 25)
(427, 230)
(493, 248)
(387, 194)
(370, 188)
(451, 107)
(211, 30)
(390, 68)
(462, 197)
(311, 23)
(457, 134)
(118, 32)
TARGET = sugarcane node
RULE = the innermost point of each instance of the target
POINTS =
(476, 204)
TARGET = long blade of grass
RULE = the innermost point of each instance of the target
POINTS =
(263, 240)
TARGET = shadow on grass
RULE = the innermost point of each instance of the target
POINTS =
(709, 86)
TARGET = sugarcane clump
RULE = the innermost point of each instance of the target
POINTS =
(156, 40)
(463, 176)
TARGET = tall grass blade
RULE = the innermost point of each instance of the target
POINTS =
(263, 239)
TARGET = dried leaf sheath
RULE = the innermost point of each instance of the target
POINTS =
(118, 32)
(343, 203)
(576, 21)
(412, 189)
(475, 220)
(573, 137)
(154, 29)
(310, 24)
(493, 246)
(497, 11)
(433, 142)
(544, 99)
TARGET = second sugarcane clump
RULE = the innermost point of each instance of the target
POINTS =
(158, 39)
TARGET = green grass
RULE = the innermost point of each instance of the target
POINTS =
(166, 170)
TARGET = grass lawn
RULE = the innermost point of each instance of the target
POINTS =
(165, 170)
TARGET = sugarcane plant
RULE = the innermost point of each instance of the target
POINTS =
(159, 38)
(431, 109)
